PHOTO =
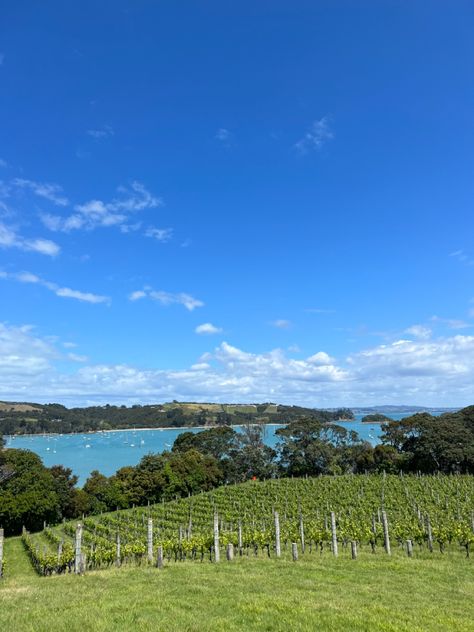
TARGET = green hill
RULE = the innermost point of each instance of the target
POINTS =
(30, 418)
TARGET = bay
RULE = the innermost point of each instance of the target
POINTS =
(110, 450)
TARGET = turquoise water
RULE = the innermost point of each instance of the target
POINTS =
(109, 451)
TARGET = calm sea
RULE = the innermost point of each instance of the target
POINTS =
(109, 451)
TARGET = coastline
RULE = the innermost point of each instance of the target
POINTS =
(95, 432)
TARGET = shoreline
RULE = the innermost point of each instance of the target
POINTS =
(95, 432)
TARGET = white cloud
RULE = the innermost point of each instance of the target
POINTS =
(321, 359)
(74, 357)
(105, 131)
(135, 296)
(437, 372)
(318, 134)
(24, 360)
(207, 328)
(42, 246)
(86, 297)
(97, 213)
(281, 324)
(9, 238)
(50, 192)
(64, 292)
(419, 331)
(167, 298)
(160, 234)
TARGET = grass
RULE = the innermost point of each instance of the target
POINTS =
(373, 593)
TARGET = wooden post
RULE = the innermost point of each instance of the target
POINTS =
(277, 534)
(301, 532)
(241, 548)
(216, 538)
(60, 550)
(1, 553)
(334, 534)
(230, 552)
(354, 549)
(386, 535)
(294, 551)
(83, 563)
(118, 557)
(159, 557)
(150, 540)
(77, 551)
(409, 544)
(430, 534)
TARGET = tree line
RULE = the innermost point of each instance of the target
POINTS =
(27, 418)
(30, 493)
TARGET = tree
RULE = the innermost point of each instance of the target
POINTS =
(309, 447)
(431, 444)
(29, 496)
(218, 442)
(65, 485)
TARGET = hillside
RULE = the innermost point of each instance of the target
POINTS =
(373, 594)
(30, 418)
(257, 589)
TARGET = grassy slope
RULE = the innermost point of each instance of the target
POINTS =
(372, 593)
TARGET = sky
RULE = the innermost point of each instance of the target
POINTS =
(237, 202)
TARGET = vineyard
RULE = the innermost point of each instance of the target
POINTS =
(336, 516)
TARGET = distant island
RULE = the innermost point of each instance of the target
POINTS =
(376, 418)
(30, 418)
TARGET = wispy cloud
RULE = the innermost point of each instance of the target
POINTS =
(419, 331)
(3, 163)
(223, 134)
(317, 135)
(319, 310)
(452, 323)
(281, 323)
(104, 131)
(51, 192)
(462, 257)
(160, 234)
(64, 292)
(208, 329)
(167, 298)
(10, 238)
(75, 357)
(97, 213)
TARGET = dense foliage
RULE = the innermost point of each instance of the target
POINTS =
(26, 418)
(31, 493)
(376, 418)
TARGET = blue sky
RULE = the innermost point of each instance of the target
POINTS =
(237, 201)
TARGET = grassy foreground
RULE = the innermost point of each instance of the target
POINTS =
(371, 593)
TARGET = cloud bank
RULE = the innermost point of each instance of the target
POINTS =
(436, 372)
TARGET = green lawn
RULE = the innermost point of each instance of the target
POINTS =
(372, 593)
